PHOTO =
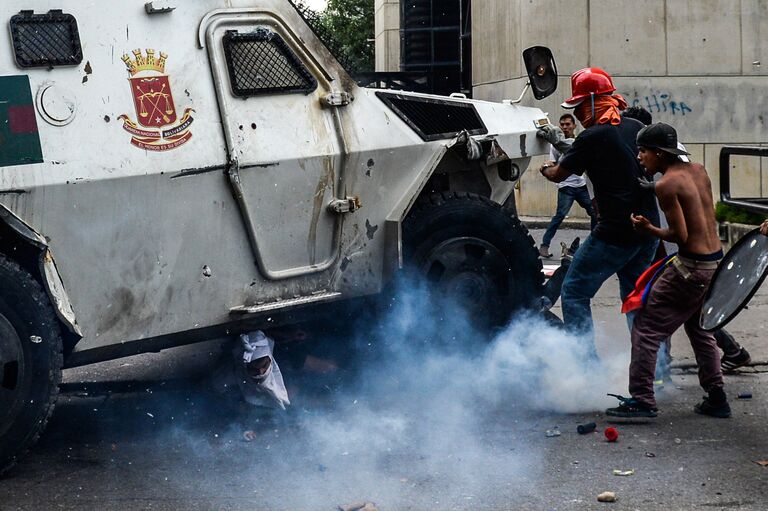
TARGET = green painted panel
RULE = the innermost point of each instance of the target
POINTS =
(19, 138)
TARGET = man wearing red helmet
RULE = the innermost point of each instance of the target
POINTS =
(606, 151)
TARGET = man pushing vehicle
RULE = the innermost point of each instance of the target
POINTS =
(606, 152)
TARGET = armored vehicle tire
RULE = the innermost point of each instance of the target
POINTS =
(30, 361)
(474, 252)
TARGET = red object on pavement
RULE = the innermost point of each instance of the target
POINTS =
(611, 434)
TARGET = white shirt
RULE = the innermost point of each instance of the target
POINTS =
(573, 180)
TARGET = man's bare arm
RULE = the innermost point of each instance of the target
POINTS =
(677, 232)
(554, 173)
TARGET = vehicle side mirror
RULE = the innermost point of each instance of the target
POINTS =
(542, 71)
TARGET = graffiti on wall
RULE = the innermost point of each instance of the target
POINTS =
(659, 103)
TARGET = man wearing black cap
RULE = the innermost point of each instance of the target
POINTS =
(734, 354)
(685, 195)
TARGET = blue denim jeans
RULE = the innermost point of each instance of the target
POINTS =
(565, 198)
(593, 264)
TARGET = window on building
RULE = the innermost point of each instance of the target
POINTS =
(436, 39)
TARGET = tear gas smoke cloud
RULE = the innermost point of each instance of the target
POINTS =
(547, 369)
(410, 430)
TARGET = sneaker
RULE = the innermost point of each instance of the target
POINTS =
(722, 411)
(731, 362)
(574, 247)
(631, 408)
(544, 252)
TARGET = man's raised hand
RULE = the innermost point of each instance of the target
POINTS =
(764, 228)
(646, 184)
(551, 133)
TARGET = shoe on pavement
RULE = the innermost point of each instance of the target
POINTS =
(722, 411)
(574, 247)
(544, 252)
(731, 362)
(631, 408)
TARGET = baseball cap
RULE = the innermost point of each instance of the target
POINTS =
(660, 136)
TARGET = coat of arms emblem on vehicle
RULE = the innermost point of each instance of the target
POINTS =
(157, 126)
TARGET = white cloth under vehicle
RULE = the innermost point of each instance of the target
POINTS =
(259, 387)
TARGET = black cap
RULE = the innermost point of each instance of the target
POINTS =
(659, 136)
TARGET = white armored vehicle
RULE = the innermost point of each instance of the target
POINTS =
(174, 170)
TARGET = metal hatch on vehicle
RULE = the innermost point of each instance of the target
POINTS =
(285, 146)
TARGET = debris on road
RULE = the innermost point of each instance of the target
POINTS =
(618, 472)
(249, 435)
(762, 463)
(611, 434)
(359, 506)
(552, 433)
(583, 429)
(649, 454)
(745, 395)
(607, 496)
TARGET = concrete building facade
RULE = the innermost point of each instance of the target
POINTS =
(700, 65)
(387, 35)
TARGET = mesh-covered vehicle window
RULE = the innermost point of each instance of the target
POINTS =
(45, 40)
(260, 62)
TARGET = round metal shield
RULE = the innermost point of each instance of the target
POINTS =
(738, 277)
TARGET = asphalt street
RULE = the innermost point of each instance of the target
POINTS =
(455, 430)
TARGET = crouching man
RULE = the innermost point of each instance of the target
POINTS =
(676, 296)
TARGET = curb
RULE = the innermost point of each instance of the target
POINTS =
(541, 222)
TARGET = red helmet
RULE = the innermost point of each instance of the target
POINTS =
(588, 81)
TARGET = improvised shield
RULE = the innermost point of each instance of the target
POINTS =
(738, 277)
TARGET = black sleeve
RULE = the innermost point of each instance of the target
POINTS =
(579, 155)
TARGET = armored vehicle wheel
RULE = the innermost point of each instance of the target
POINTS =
(30, 361)
(474, 252)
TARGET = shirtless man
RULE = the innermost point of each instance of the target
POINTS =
(685, 196)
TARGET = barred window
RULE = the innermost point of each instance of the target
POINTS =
(260, 62)
(45, 40)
